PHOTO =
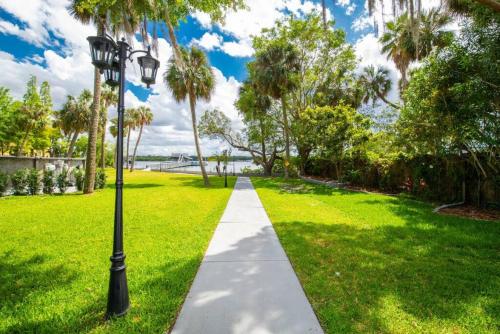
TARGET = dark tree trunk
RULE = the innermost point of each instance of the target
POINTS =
(90, 163)
(128, 146)
(287, 138)
(71, 147)
(192, 103)
(135, 148)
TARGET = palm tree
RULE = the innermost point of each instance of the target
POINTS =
(254, 106)
(113, 129)
(64, 120)
(397, 43)
(456, 5)
(115, 16)
(194, 82)
(129, 122)
(377, 84)
(276, 68)
(144, 117)
(74, 117)
(432, 33)
(400, 45)
(109, 97)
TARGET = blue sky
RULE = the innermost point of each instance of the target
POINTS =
(39, 37)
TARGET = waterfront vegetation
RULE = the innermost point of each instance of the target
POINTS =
(373, 263)
(54, 256)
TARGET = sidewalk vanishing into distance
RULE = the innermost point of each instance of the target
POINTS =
(245, 284)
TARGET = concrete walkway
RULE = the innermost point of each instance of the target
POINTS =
(245, 284)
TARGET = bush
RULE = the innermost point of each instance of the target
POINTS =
(252, 171)
(79, 175)
(19, 182)
(48, 182)
(33, 181)
(63, 180)
(100, 179)
(4, 181)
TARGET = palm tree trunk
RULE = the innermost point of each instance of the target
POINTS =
(135, 148)
(90, 163)
(192, 103)
(128, 146)
(72, 145)
(383, 98)
(287, 137)
(173, 39)
(323, 12)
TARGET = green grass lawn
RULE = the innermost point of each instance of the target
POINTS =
(379, 264)
(54, 254)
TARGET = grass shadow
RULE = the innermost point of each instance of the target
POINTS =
(378, 263)
(197, 182)
(20, 278)
(355, 276)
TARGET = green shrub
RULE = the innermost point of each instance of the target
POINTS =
(48, 182)
(4, 181)
(63, 181)
(33, 182)
(79, 175)
(100, 179)
(19, 181)
(352, 176)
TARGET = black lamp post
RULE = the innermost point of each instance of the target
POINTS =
(110, 57)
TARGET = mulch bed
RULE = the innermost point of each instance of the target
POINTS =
(472, 212)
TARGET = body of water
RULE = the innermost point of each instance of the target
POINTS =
(233, 166)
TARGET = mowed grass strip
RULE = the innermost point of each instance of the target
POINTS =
(379, 264)
(54, 253)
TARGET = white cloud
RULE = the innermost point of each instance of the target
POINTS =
(243, 48)
(363, 22)
(349, 6)
(213, 41)
(243, 24)
(209, 41)
(69, 71)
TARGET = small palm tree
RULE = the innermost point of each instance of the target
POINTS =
(276, 68)
(398, 44)
(113, 129)
(432, 33)
(144, 117)
(74, 117)
(377, 85)
(109, 97)
(130, 123)
(194, 82)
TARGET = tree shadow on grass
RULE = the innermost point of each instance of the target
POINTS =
(137, 185)
(355, 277)
(197, 182)
(298, 186)
(155, 298)
(403, 275)
(21, 282)
(20, 278)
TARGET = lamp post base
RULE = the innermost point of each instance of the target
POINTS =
(118, 302)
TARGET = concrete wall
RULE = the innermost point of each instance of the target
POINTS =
(10, 164)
